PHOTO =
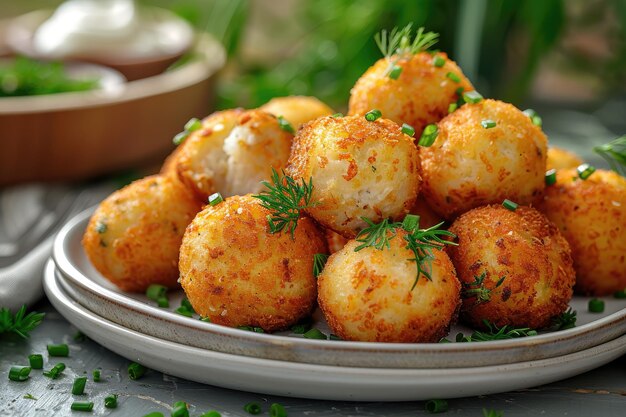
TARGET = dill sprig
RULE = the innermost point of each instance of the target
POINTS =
(565, 320)
(420, 241)
(399, 42)
(496, 333)
(285, 198)
(21, 324)
(319, 262)
(614, 153)
(478, 289)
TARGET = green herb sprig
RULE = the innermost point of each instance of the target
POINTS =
(319, 262)
(401, 44)
(614, 153)
(20, 323)
(494, 332)
(285, 198)
(478, 290)
(565, 320)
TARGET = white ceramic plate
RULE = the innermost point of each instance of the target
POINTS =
(320, 381)
(138, 313)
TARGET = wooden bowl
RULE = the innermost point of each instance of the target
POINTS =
(73, 136)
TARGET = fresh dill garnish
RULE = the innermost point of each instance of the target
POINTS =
(420, 241)
(478, 290)
(319, 261)
(565, 320)
(494, 332)
(21, 324)
(614, 153)
(285, 198)
(402, 44)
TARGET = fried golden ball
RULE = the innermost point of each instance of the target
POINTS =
(238, 274)
(134, 236)
(359, 169)
(297, 110)
(232, 153)
(420, 96)
(469, 165)
(559, 158)
(523, 247)
(591, 214)
(367, 295)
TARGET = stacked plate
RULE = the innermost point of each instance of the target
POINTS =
(287, 364)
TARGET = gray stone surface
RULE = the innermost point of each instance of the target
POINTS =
(601, 392)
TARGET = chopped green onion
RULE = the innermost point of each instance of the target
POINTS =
(315, 334)
(136, 371)
(110, 401)
(192, 125)
(472, 97)
(410, 222)
(285, 125)
(82, 406)
(55, 371)
(78, 388)
(277, 410)
(19, 373)
(534, 117)
(156, 291)
(334, 337)
(452, 107)
(101, 227)
(439, 61)
(408, 129)
(551, 177)
(395, 72)
(154, 414)
(596, 306)
(488, 123)
(620, 294)
(436, 406)
(453, 77)
(211, 413)
(373, 115)
(179, 138)
(585, 170)
(59, 350)
(96, 375)
(163, 302)
(252, 408)
(187, 304)
(301, 328)
(509, 205)
(429, 135)
(215, 199)
(35, 361)
(336, 115)
(184, 311)
(205, 319)
(180, 409)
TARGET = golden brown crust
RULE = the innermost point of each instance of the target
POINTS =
(238, 274)
(591, 214)
(143, 228)
(420, 96)
(367, 296)
(469, 166)
(297, 110)
(559, 158)
(526, 249)
(359, 169)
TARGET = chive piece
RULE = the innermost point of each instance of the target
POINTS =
(252, 408)
(136, 371)
(183, 311)
(585, 170)
(373, 115)
(285, 125)
(61, 350)
(205, 319)
(110, 401)
(596, 306)
(452, 107)
(620, 294)
(319, 262)
(154, 414)
(180, 409)
(334, 337)
(78, 388)
(82, 406)
(156, 291)
(509, 205)
(101, 228)
(439, 61)
(395, 72)
(96, 375)
(336, 115)
(179, 138)
(551, 177)
(436, 406)
(408, 129)
(472, 97)
(192, 125)
(19, 373)
(488, 123)
(215, 199)
(410, 222)
(277, 410)
(315, 334)
(534, 117)
(55, 371)
(163, 302)
(211, 413)
(429, 135)
(35, 361)
(301, 328)
(453, 77)
(187, 304)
